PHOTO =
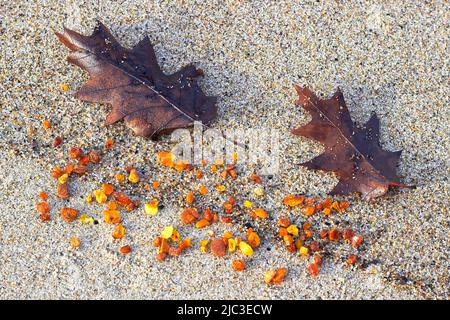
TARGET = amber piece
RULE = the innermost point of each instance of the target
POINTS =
(319, 206)
(63, 191)
(261, 213)
(307, 233)
(164, 247)
(57, 141)
(306, 226)
(156, 184)
(253, 240)
(238, 265)
(119, 178)
(161, 256)
(318, 260)
(69, 168)
(256, 179)
(190, 198)
(133, 176)
(227, 235)
(203, 190)
(43, 207)
(184, 244)
(125, 249)
(112, 205)
(107, 188)
(327, 202)
(292, 200)
(119, 231)
(282, 232)
(326, 211)
(43, 196)
(208, 214)
(309, 211)
(75, 153)
(75, 242)
(279, 275)
(288, 239)
(180, 165)
(228, 207)
(335, 206)
(69, 214)
(57, 172)
(226, 219)
(84, 161)
(268, 276)
(351, 260)
(44, 217)
(199, 174)
(109, 143)
(313, 269)
(334, 235)
(46, 124)
(284, 222)
(111, 216)
(224, 174)
(202, 223)
(348, 234)
(166, 159)
(121, 198)
(189, 215)
(323, 233)
(218, 247)
(344, 205)
(157, 242)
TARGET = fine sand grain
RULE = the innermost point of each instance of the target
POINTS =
(389, 57)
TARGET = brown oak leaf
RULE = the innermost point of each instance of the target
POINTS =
(353, 153)
(150, 102)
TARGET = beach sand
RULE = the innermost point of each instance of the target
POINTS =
(389, 58)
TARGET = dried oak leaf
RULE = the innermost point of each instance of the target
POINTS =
(353, 153)
(150, 102)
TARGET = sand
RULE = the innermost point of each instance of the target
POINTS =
(391, 58)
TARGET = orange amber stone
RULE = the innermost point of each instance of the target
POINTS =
(203, 190)
(208, 215)
(253, 240)
(261, 213)
(293, 200)
(109, 143)
(190, 198)
(107, 188)
(202, 223)
(352, 259)
(309, 211)
(43, 196)
(43, 207)
(279, 276)
(189, 215)
(238, 265)
(334, 235)
(313, 270)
